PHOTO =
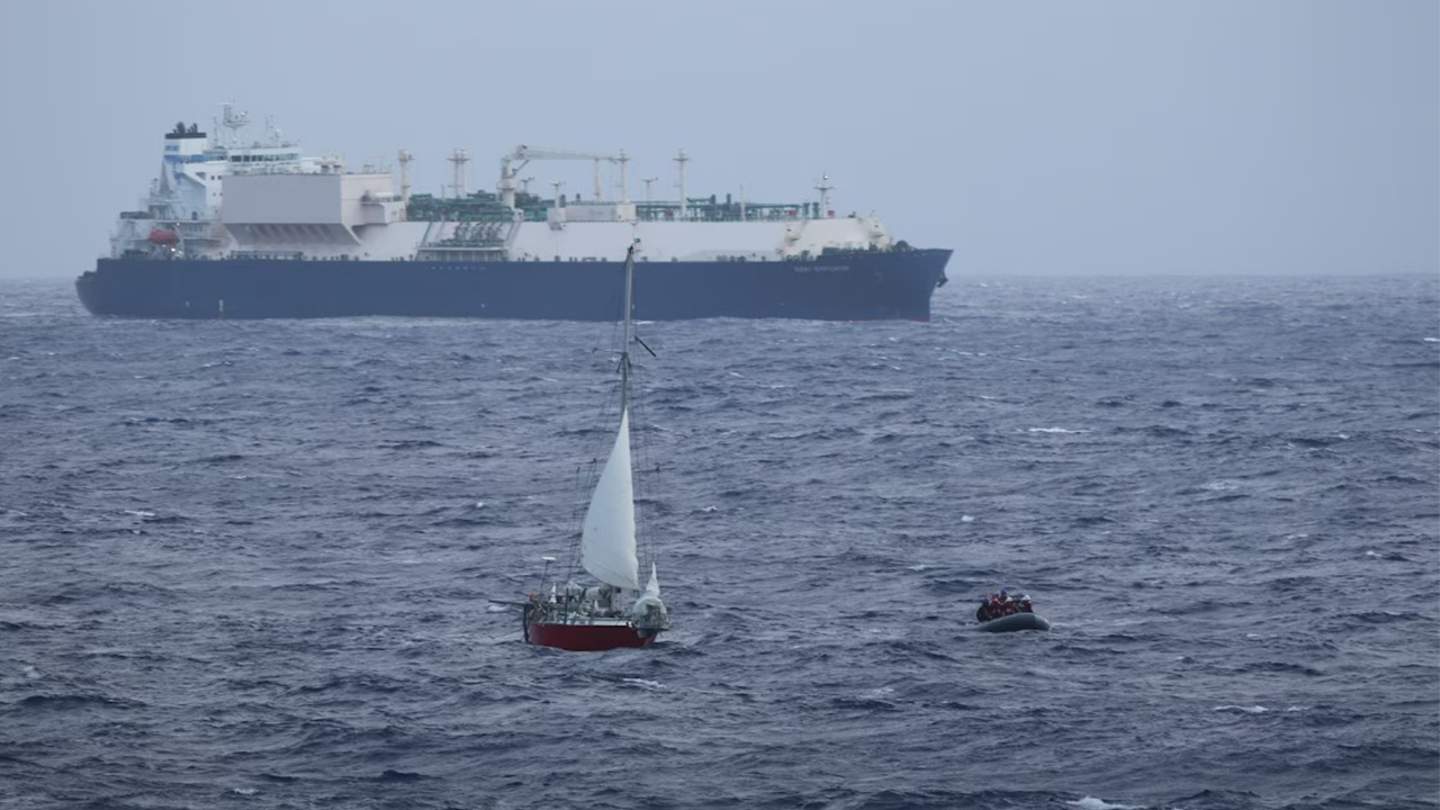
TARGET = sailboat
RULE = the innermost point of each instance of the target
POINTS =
(575, 617)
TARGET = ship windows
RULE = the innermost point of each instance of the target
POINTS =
(261, 158)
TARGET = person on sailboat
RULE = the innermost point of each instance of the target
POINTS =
(604, 600)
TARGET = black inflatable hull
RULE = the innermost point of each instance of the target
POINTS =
(1013, 622)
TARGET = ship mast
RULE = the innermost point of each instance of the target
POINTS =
(681, 159)
(625, 347)
(459, 158)
(824, 188)
(405, 157)
(624, 187)
(232, 121)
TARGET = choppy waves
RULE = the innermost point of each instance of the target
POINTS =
(250, 564)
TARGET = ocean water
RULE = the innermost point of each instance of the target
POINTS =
(249, 564)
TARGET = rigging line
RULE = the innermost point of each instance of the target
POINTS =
(598, 437)
(647, 476)
(577, 517)
(587, 473)
(639, 441)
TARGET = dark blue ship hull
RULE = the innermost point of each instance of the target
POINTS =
(870, 285)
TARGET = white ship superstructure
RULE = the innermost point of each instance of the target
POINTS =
(223, 198)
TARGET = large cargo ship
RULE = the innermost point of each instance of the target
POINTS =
(257, 230)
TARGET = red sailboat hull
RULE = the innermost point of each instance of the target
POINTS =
(586, 637)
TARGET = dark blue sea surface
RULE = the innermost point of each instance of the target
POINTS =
(249, 564)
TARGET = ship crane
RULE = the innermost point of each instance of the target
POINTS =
(511, 164)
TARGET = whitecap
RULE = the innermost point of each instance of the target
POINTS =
(1432, 340)
(139, 513)
(245, 791)
(1052, 430)
(479, 504)
(1245, 709)
(643, 683)
(496, 608)
(1092, 803)
(967, 519)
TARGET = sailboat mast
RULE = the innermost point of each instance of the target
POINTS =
(625, 348)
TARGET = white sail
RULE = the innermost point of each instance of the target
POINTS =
(607, 546)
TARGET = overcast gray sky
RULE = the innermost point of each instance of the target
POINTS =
(1127, 136)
